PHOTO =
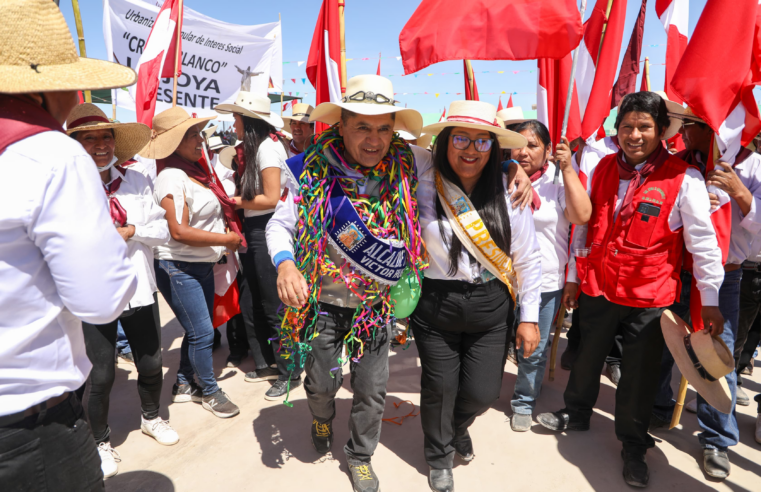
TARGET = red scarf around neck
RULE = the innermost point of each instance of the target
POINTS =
(118, 214)
(200, 173)
(636, 177)
(20, 119)
(536, 202)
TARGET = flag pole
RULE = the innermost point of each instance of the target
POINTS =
(342, 33)
(647, 73)
(604, 27)
(569, 97)
(81, 35)
(177, 56)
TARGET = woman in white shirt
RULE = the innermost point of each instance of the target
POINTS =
(260, 179)
(203, 227)
(479, 248)
(141, 224)
(556, 207)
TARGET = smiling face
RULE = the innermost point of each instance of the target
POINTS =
(638, 136)
(100, 144)
(366, 138)
(533, 156)
(190, 147)
(301, 132)
(468, 164)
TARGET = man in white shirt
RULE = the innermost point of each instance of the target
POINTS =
(61, 259)
(301, 129)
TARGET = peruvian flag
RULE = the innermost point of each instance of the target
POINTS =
(324, 57)
(443, 115)
(551, 95)
(674, 15)
(157, 60)
(598, 63)
(719, 70)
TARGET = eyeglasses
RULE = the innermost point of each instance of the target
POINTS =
(370, 97)
(460, 142)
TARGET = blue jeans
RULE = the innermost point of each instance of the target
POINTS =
(188, 288)
(528, 385)
(719, 429)
(122, 345)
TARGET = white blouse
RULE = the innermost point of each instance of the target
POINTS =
(270, 154)
(204, 212)
(524, 246)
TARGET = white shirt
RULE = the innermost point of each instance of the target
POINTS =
(524, 247)
(204, 212)
(146, 167)
(225, 175)
(745, 243)
(692, 214)
(61, 261)
(269, 154)
(552, 229)
(136, 197)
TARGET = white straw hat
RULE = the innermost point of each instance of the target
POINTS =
(214, 142)
(369, 95)
(479, 115)
(512, 115)
(129, 138)
(702, 359)
(38, 53)
(253, 106)
(208, 132)
(227, 154)
(301, 112)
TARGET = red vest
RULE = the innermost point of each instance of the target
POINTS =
(636, 263)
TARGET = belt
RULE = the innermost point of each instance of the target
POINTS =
(731, 267)
(752, 265)
(7, 420)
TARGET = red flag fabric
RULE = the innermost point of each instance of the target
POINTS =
(627, 76)
(379, 60)
(643, 85)
(510, 101)
(157, 60)
(471, 89)
(719, 70)
(226, 306)
(499, 107)
(675, 17)
(80, 97)
(443, 115)
(552, 93)
(324, 57)
(441, 30)
(598, 63)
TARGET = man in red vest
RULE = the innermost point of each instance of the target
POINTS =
(647, 205)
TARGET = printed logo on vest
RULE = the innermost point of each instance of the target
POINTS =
(350, 236)
(652, 195)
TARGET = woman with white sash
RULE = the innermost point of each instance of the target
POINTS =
(556, 207)
(481, 251)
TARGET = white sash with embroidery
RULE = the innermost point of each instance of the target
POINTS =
(472, 233)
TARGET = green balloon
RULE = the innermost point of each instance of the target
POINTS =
(406, 293)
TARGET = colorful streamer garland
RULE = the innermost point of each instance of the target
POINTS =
(393, 215)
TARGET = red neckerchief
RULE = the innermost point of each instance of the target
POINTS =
(627, 171)
(118, 214)
(293, 148)
(536, 202)
(20, 119)
(199, 172)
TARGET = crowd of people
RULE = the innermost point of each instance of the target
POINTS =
(501, 229)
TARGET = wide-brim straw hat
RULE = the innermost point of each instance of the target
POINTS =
(227, 154)
(169, 127)
(687, 114)
(511, 116)
(301, 112)
(362, 95)
(129, 137)
(711, 354)
(253, 106)
(208, 132)
(481, 116)
(37, 53)
(214, 142)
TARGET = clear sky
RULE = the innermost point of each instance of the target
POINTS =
(373, 27)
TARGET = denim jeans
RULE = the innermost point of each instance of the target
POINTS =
(719, 429)
(528, 385)
(122, 345)
(188, 288)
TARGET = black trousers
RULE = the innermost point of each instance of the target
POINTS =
(143, 330)
(260, 308)
(324, 377)
(642, 350)
(574, 339)
(749, 325)
(461, 335)
(51, 451)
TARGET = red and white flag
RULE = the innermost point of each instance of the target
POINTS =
(323, 63)
(719, 70)
(598, 63)
(675, 17)
(443, 115)
(551, 95)
(157, 60)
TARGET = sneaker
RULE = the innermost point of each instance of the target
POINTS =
(636, 473)
(220, 405)
(561, 421)
(160, 430)
(280, 389)
(128, 358)
(108, 459)
(758, 428)
(364, 478)
(235, 360)
(742, 397)
(692, 406)
(259, 375)
(520, 422)
(322, 436)
(183, 393)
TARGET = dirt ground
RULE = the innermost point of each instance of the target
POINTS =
(267, 446)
